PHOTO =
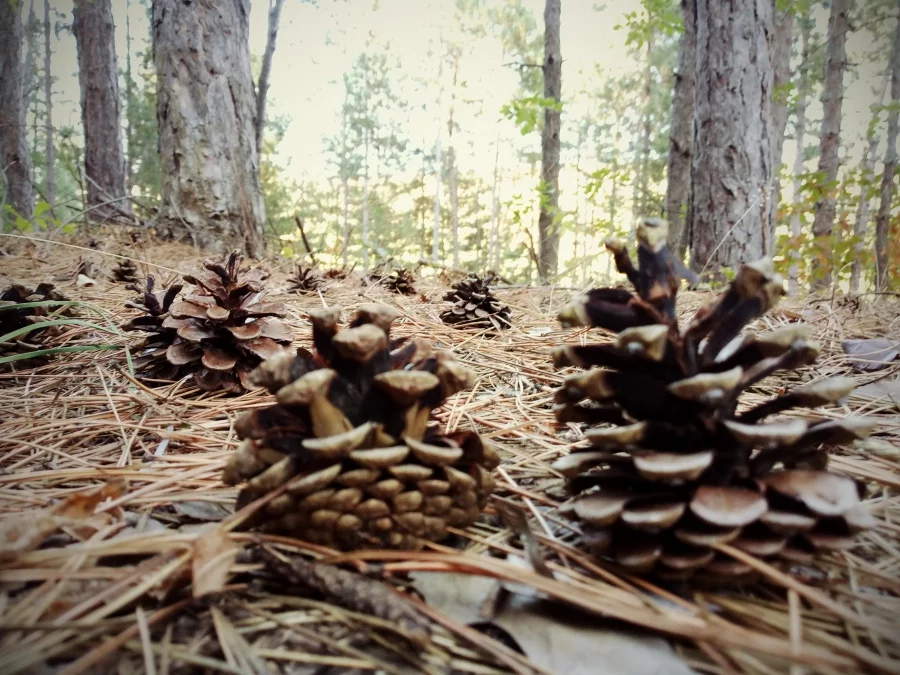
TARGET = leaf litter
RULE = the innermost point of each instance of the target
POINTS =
(103, 533)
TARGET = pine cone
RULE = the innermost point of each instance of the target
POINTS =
(474, 305)
(20, 317)
(152, 352)
(225, 329)
(351, 440)
(399, 281)
(682, 469)
(305, 279)
(125, 272)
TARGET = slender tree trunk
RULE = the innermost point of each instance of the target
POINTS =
(451, 160)
(28, 67)
(48, 105)
(644, 183)
(29, 85)
(830, 141)
(129, 102)
(365, 204)
(781, 64)
(800, 155)
(867, 179)
(104, 161)
(493, 244)
(436, 227)
(262, 88)
(16, 161)
(345, 252)
(882, 223)
(548, 233)
(208, 154)
(732, 151)
(678, 169)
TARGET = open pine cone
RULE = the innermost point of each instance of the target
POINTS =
(305, 279)
(685, 466)
(151, 356)
(226, 329)
(125, 272)
(15, 318)
(474, 305)
(399, 281)
(350, 439)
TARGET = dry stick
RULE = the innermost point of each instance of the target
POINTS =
(312, 256)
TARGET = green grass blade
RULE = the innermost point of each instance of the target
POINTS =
(56, 322)
(56, 350)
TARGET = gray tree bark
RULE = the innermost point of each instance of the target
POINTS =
(205, 111)
(681, 135)
(731, 166)
(493, 244)
(867, 178)
(19, 192)
(451, 160)
(800, 154)
(830, 137)
(781, 64)
(641, 186)
(882, 223)
(548, 235)
(98, 75)
(50, 187)
(129, 99)
(438, 174)
(262, 88)
(345, 252)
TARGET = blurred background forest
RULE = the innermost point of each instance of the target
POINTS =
(412, 131)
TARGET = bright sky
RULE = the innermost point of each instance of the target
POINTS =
(318, 42)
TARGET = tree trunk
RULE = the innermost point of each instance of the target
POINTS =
(643, 184)
(28, 67)
(493, 243)
(104, 161)
(129, 100)
(365, 204)
(678, 169)
(800, 155)
(547, 226)
(451, 160)
(830, 141)
(732, 150)
(436, 227)
(48, 105)
(781, 65)
(345, 252)
(867, 179)
(882, 223)
(208, 155)
(262, 88)
(19, 192)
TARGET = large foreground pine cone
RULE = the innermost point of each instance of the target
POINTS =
(474, 305)
(350, 439)
(686, 466)
(151, 354)
(225, 328)
(13, 318)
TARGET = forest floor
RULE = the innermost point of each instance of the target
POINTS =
(107, 584)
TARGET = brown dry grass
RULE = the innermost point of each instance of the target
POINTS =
(115, 597)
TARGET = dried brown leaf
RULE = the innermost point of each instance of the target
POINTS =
(214, 552)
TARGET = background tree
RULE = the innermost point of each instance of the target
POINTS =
(548, 235)
(19, 192)
(781, 85)
(681, 135)
(104, 160)
(208, 154)
(262, 87)
(882, 223)
(731, 166)
(830, 142)
(50, 158)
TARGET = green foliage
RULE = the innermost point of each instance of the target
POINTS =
(655, 19)
(525, 112)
